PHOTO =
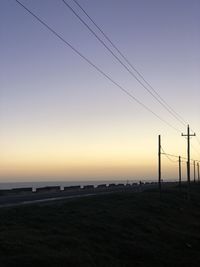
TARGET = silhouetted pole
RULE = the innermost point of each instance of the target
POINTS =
(179, 171)
(188, 135)
(194, 171)
(159, 164)
(198, 171)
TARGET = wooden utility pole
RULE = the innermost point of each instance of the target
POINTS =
(198, 170)
(194, 171)
(159, 164)
(188, 135)
(179, 171)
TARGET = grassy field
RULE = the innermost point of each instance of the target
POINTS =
(122, 229)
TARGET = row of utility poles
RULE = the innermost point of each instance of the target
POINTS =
(196, 164)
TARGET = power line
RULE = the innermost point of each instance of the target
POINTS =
(168, 156)
(175, 156)
(194, 148)
(157, 98)
(128, 61)
(198, 141)
(124, 57)
(95, 66)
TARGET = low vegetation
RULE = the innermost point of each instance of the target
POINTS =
(121, 229)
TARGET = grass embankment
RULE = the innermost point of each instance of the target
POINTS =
(124, 229)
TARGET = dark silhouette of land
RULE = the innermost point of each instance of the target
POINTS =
(121, 229)
(22, 196)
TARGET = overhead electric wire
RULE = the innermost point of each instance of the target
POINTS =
(95, 66)
(194, 148)
(198, 140)
(180, 118)
(175, 156)
(128, 61)
(121, 62)
(168, 156)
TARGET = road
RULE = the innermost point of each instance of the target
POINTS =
(12, 200)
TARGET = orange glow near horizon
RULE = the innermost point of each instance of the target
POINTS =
(50, 157)
(97, 155)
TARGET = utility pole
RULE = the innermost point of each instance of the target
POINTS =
(198, 170)
(194, 171)
(188, 135)
(159, 164)
(179, 171)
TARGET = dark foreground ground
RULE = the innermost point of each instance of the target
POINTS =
(121, 229)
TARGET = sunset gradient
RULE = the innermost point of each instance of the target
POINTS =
(61, 120)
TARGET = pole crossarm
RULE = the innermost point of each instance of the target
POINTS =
(188, 135)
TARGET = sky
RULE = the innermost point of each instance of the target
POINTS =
(62, 120)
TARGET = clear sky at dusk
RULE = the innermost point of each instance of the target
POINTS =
(61, 119)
